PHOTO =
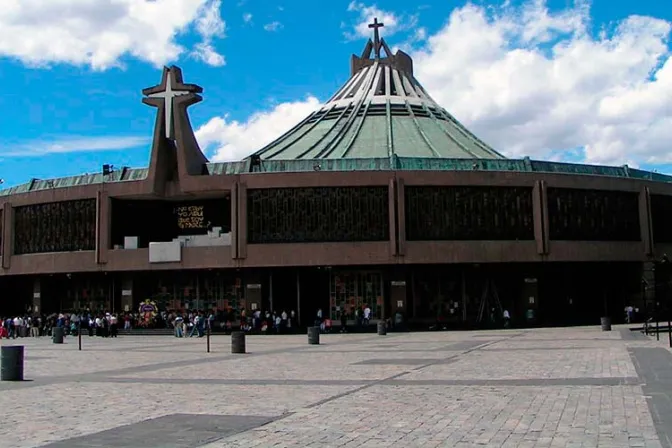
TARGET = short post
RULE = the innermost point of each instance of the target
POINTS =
(382, 328)
(79, 334)
(58, 333)
(238, 342)
(207, 336)
(606, 323)
(11, 357)
(314, 335)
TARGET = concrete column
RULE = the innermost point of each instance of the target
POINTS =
(398, 293)
(253, 296)
(242, 220)
(36, 304)
(103, 226)
(401, 217)
(7, 235)
(645, 221)
(540, 216)
(127, 294)
(234, 221)
(392, 217)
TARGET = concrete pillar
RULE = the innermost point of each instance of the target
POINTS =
(401, 217)
(103, 226)
(540, 216)
(127, 294)
(645, 221)
(398, 297)
(234, 221)
(392, 217)
(7, 235)
(241, 218)
(36, 304)
(253, 296)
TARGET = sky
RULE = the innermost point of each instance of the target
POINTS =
(560, 80)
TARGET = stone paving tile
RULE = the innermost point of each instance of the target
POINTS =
(458, 416)
(596, 363)
(76, 409)
(321, 398)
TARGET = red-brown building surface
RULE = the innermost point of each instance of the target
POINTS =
(379, 197)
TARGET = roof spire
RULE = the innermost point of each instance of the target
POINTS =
(376, 36)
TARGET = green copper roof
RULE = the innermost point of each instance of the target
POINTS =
(352, 164)
(123, 175)
(381, 111)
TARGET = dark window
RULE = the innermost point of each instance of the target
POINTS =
(593, 215)
(157, 221)
(661, 218)
(468, 213)
(67, 226)
(301, 215)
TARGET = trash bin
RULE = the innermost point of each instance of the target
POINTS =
(58, 334)
(606, 323)
(238, 342)
(314, 335)
(11, 358)
(382, 328)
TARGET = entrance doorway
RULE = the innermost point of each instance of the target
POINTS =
(356, 290)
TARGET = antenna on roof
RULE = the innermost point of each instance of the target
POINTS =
(376, 36)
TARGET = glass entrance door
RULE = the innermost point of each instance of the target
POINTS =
(351, 290)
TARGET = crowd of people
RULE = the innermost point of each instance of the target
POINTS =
(38, 325)
(187, 323)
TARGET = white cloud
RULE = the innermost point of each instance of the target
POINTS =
(528, 81)
(69, 144)
(100, 33)
(247, 17)
(532, 82)
(365, 14)
(232, 140)
(273, 26)
(209, 25)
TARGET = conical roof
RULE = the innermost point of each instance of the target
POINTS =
(381, 111)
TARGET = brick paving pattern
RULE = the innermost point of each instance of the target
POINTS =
(577, 387)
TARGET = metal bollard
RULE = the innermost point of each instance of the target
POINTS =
(314, 335)
(238, 342)
(58, 333)
(606, 323)
(11, 357)
(382, 328)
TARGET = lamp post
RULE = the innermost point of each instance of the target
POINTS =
(645, 302)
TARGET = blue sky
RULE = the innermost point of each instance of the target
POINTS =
(64, 114)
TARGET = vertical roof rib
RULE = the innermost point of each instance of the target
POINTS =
(380, 94)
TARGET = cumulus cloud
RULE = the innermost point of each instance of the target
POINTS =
(99, 33)
(528, 81)
(247, 17)
(230, 140)
(532, 82)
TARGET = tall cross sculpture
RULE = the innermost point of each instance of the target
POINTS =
(376, 36)
(165, 95)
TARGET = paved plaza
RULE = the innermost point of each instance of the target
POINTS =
(578, 387)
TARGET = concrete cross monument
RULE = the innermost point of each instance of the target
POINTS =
(168, 94)
(376, 36)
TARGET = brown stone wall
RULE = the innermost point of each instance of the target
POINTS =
(394, 251)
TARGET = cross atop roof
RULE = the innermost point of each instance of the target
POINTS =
(167, 93)
(376, 36)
